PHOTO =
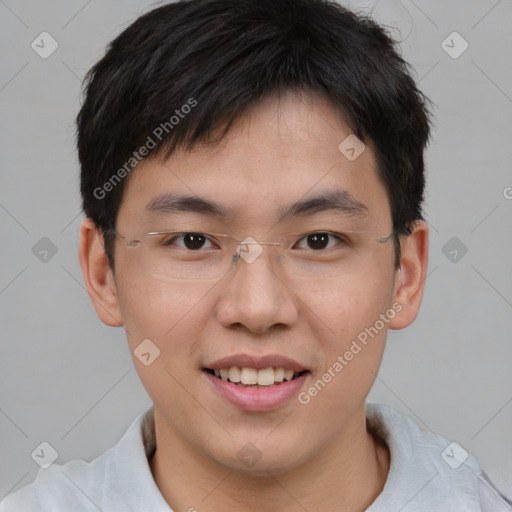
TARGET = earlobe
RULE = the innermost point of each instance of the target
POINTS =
(98, 276)
(410, 278)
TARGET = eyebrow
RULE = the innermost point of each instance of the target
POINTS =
(338, 200)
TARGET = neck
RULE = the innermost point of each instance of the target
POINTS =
(346, 476)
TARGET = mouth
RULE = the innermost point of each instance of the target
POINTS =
(247, 377)
(256, 384)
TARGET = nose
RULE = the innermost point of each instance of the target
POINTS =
(254, 294)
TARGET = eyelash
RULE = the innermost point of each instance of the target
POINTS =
(342, 239)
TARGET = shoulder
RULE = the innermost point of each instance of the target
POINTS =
(428, 472)
(71, 486)
(101, 484)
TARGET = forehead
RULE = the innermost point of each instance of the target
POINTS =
(283, 152)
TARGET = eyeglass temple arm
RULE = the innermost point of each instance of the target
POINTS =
(386, 238)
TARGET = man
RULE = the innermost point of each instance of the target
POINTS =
(253, 179)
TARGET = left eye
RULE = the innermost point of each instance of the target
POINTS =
(190, 241)
(320, 240)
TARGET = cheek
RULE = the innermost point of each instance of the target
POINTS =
(352, 336)
(170, 317)
(165, 312)
(343, 310)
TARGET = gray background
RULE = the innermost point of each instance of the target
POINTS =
(67, 379)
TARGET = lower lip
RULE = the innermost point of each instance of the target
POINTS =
(257, 399)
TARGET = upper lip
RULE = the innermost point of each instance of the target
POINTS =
(256, 362)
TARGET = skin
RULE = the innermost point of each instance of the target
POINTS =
(317, 456)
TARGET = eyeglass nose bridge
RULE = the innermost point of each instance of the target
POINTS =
(257, 243)
(248, 254)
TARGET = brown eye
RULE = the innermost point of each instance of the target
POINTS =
(190, 241)
(318, 240)
(194, 241)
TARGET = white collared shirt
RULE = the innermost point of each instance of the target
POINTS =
(427, 473)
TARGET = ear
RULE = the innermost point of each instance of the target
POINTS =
(410, 278)
(98, 277)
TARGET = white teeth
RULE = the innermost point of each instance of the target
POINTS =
(279, 374)
(234, 374)
(251, 376)
(288, 375)
(266, 377)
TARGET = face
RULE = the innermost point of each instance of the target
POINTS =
(261, 314)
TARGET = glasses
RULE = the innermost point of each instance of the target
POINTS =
(197, 256)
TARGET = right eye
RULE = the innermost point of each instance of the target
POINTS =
(190, 241)
(320, 240)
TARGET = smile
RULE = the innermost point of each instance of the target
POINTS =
(255, 383)
(251, 377)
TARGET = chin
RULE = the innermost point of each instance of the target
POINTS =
(273, 459)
